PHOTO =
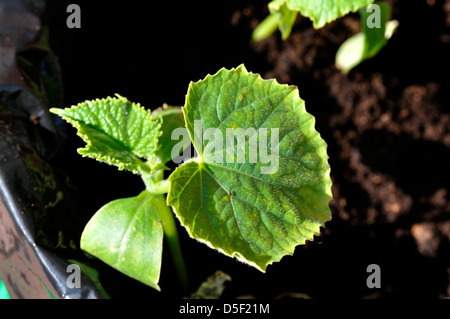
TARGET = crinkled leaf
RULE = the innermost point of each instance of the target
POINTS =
(127, 235)
(322, 12)
(366, 44)
(116, 131)
(267, 215)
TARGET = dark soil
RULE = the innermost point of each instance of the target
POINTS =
(387, 125)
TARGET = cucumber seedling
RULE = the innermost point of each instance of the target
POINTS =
(258, 187)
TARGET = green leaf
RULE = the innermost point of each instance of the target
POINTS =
(350, 53)
(116, 131)
(284, 12)
(268, 213)
(286, 17)
(280, 16)
(172, 119)
(322, 12)
(265, 28)
(366, 44)
(127, 235)
(373, 24)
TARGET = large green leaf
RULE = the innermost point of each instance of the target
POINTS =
(127, 235)
(322, 12)
(268, 213)
(116, 131)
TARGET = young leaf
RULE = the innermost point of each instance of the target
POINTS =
(322, 12)
(127, 235)
(373, 24)
(286, 17)
(237, 207)
(116, 131)
(265, 28)
(366, 44)
(172, 119)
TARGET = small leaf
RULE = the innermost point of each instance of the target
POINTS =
(286, 17)
(280, 16)
(366, 44)
(232, 205)
(127, 235)
(264, 29)
(373, 24)
(172, 119)
(116, 131)
(350, 53)
(322, 12)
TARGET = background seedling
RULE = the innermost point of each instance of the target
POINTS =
(376, 26)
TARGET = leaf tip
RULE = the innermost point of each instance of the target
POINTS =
(55, 110)
(120, 97)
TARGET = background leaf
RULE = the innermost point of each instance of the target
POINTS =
(267, 215)
(265, 28)
(284, 12)
(322, 12)
(116, 131)
(127, 235)
(367, 43)
(286, 17)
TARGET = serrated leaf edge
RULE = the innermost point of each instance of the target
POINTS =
(105, 158)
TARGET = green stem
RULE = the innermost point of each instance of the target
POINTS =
(157, 186)
(171, 233)
(155, 183)
(161, 187)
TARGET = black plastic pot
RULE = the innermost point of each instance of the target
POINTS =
(35, 222)
(38, 230)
